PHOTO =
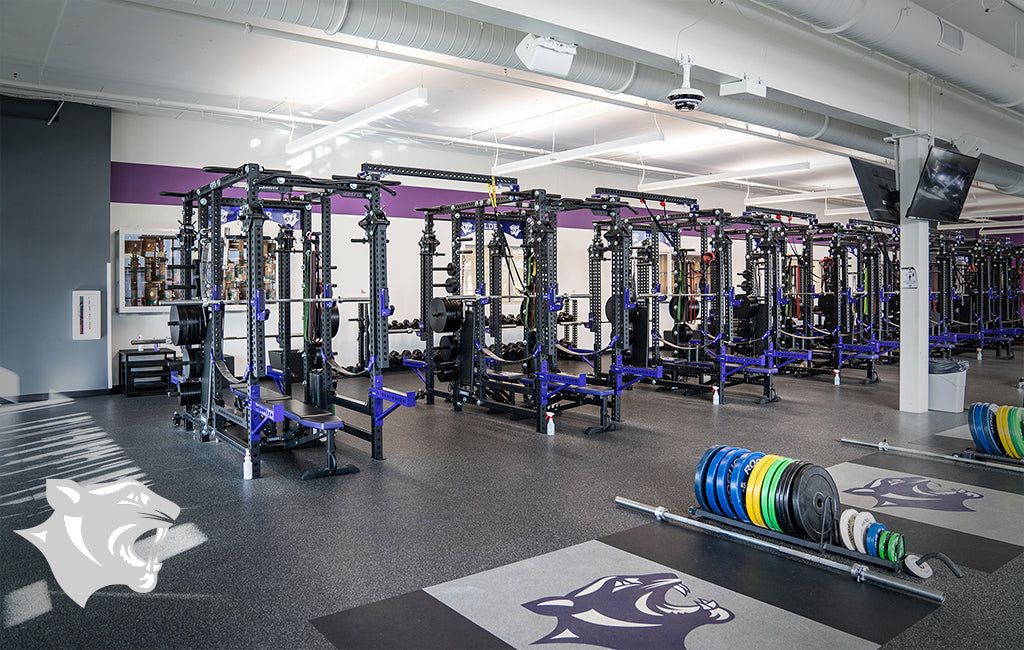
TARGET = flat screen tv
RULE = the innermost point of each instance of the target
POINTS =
(942, 189)
(878, 187)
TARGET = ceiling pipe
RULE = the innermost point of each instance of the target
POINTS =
(403, 23)
(914, 36)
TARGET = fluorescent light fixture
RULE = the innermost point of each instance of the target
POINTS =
(576, 154)
(724, 176)
(978, 212)
(1000, 231)
(803, 196)
(414, 97)
(838, 213)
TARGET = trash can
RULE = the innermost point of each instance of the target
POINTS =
(947, 382)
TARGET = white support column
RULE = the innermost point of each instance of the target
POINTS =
(911, 153)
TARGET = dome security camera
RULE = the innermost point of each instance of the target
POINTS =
(686, 97)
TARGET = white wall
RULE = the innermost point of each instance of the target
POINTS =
(163, 141)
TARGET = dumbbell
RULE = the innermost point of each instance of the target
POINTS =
(394, 358)
(417, 354)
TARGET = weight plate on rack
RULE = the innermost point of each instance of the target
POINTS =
(974, 420)
(787, 495)
(988, 423)
(1016, 432)
(815, 502)
(701, 474)
(846, 528)
(998, 426)
(972, 424)
(898, 550)
(783, 514)
(890, 546)
(871, 541)
(710, 491)
(725, 469)
(738, 482)
(978, 419)
(1004, 432)
(770, 494)
(753, 495)
(1005, 436)
(765, 496)
(861, 523)
(922, 571)
(883, 545)
(985, 425)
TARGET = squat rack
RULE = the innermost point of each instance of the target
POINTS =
(262, 396)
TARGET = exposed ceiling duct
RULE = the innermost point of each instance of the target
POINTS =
(411, 25)
(403, 23)
(917, 37)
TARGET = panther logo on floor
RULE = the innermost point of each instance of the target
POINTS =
(627, 612)
(88, 539)
(916, 492)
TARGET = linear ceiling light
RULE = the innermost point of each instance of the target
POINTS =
(839, 213)
(414, 97)
(1008, 212)
(724, 176)
(576, 154)
(804, 196)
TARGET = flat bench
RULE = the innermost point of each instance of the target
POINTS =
(584, 390)
(505, 376)
(305, 414)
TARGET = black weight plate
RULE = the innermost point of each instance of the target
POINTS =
(783, 514)
(187, 324)
(444, 315)
(815, 501)
(795, 527)
(609, 309)
(701, 474)
(191, 363)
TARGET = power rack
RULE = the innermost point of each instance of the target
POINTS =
(976, 295)
(213, 397)
(471, 356)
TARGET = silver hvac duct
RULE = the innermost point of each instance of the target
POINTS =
(411, 25)
(912, 35)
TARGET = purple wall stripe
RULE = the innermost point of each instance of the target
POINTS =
(142, 183)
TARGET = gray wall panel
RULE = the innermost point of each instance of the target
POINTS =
(54, 239)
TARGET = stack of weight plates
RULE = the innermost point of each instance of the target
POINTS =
(783, 494)
(996, 429)
(860, 532)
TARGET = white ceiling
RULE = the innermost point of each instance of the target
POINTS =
(143, 60)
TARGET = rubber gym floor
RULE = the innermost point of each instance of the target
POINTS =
(477, 531)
